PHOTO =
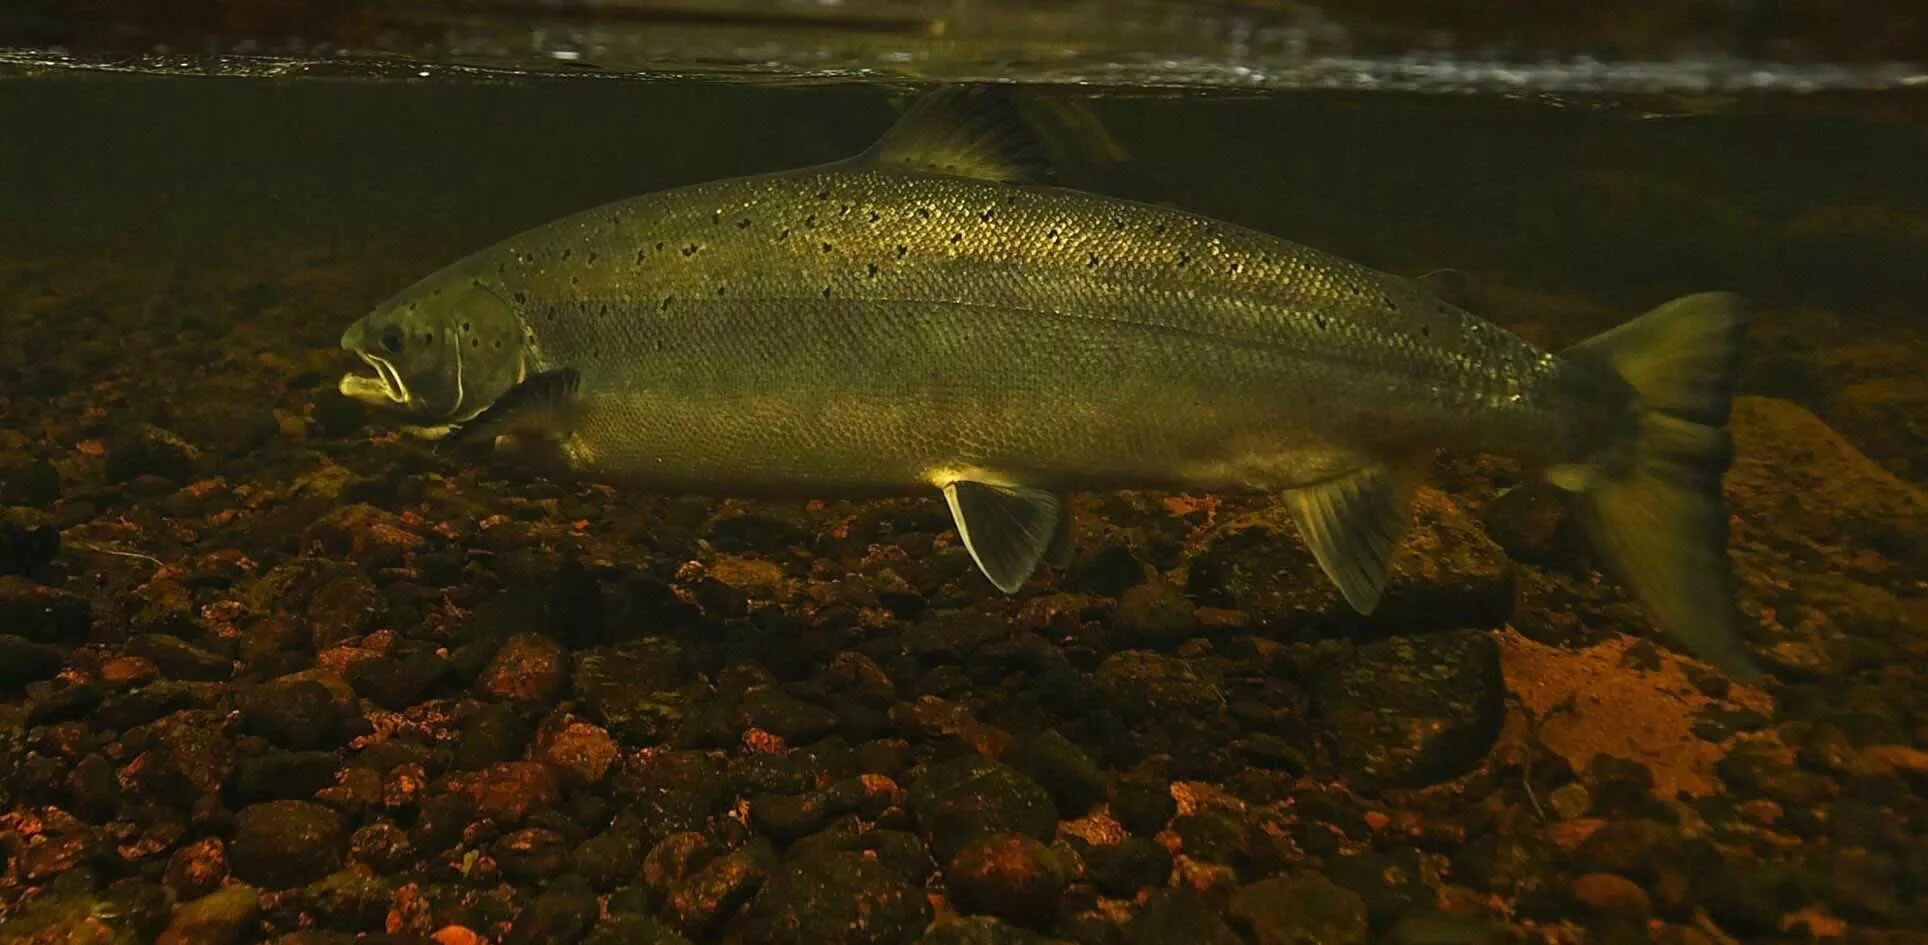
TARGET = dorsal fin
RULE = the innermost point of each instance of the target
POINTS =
(984, 131)
(966, 130)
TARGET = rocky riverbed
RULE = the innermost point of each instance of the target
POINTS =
(275, 674)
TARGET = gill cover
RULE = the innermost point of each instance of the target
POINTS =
(443, 351)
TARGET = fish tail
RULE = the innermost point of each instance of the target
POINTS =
(1652, 505)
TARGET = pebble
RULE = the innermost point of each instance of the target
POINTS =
(223, 917)
(1142, 685)
(1011, 876)
(1107, 571)
(580, 750)
(960, 800)
(178, 659)
(787, 818)
(398, 683)
(1301, 908)
(23, 661)
(1413, 711)
(771, 709)
(300, 715)
(1155, 615)
(1609, 894)
(491, 734)
(557, 916)
(713, 894)
(835, 896)
(528, 668)
(626, 688)
(43, 614)
(1570, 801)
(279, 844)
(1178, 917)
(28, 541)
(507, 792)
(344, 609)
(197, 869)
(1144, 804)
(1121, 869)
(1073, 779)
(611, 858)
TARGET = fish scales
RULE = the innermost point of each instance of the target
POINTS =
(792, 324)
(917, 319)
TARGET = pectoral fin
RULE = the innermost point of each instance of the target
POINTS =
(1353, 524)
(542, 404)
(1007, 529)
(1064, 541)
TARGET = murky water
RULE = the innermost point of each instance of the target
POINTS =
(277, 673)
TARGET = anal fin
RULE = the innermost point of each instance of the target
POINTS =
(1353, 525)
(1007, 529)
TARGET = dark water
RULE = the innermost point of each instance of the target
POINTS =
(276, 674)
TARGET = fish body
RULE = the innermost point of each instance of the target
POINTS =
(923, 318)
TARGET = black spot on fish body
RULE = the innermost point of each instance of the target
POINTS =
(956, 237)
(591, 259)
(1184, 259)
(659, 247)
(823, 195)
(826, 247)
(691, 250)
(924, 212)
(810, 221)
(716, 217)
(1091, 260)
(521, 297)
(567, 253)
(984, 215)
(640, 254)
(873, 216)
(1318, 320)
(783, 235)
(901, 250)
(872, 269)
(743, 224)
(667, 299)
(826, 292)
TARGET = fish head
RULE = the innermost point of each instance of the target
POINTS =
(441, 352)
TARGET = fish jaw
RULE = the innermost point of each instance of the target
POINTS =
(385, 388)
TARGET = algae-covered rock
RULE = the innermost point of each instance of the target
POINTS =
(835, 896)
(1412, 711)
(1302, 909)
(958, 801)
(223, 917)
(1011, 876)
(279, 844)
(1446, 574)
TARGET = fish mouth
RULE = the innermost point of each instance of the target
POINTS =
(384, 388)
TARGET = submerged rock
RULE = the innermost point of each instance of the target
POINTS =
(1413, 711)
(281, 844)
(1302, 909)
(1446, 574)
(835, 896)
(1011, 876)
(223, 917)
(629, 688)
(1175, 916)
(28, 542)
(960, 800)
(1139, 684)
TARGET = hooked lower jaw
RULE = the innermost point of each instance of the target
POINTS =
(384, 388)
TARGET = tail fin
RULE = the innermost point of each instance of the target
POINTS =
(1656, 516)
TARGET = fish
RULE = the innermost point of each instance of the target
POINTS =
(940, 315)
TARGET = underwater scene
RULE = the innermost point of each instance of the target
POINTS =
(936, 473)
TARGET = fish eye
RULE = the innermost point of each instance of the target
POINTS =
(392, 340)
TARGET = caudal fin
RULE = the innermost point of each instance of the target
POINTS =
(1653, 511)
